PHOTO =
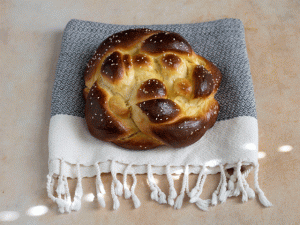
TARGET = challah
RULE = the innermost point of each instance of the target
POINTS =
(146, 88)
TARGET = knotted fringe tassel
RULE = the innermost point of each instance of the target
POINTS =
(127, 193)
(237, 183)
(233, 188)
(67, 196)
(60, 202)
(202, 204)
(179, 200)
(197, 190)
(156, 192)
(250, 192)
(222, 194)
(214, 198)
(131, 193)
(119, 186)
(76, 204)
(240, 182)
(135, 199)
(197, 186)
(172, 191)
(99, 187)
(62, 189)
(262, 198)
(116, 204)
(116, 187)
(231, 181)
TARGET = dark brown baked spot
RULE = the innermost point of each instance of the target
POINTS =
(160, 110)
(181, 133)
(100, 121)
(186, 131)
(127, 38)
(171, 61)
(166, 42)
(112, 67)
(150, 89)
(203, 82)
(216, 73)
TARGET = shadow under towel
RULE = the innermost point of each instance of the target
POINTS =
(231, 143)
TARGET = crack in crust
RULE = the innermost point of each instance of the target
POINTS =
(150, 89)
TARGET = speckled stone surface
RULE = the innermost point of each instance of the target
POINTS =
(30, 38)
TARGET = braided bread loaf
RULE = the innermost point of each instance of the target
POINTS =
(146, 88)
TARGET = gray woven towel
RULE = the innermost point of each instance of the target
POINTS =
(222, 42)
(231, 143)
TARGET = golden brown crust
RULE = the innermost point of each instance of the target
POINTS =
(102, 122)
(138, 141)
(148, 88)
(112, 68)
(166, 42)
(151, 89)
(171, 61)
(203, 81)
(124, 40)
(216, 73)
(160, 110)
(187, 130)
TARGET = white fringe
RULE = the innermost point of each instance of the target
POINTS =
(119, 186)
(197, 186)
(179, 200)
(116, 187)
(62, 189)
(250, 192)
(76, 204)
(202, 204)
(214, 198)
(197, 195)
(135, 199)
(130, 193)
(67, 196)
(234, 189)
(50, 184)
(156, 193)
(127, 193)
(172, 190)
(99, 187)
(222, 194)
(262, 198)
(116, 203)
(231, 181)
(235, 186)
(240, 182)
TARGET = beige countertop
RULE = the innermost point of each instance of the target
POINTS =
(30, 39)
